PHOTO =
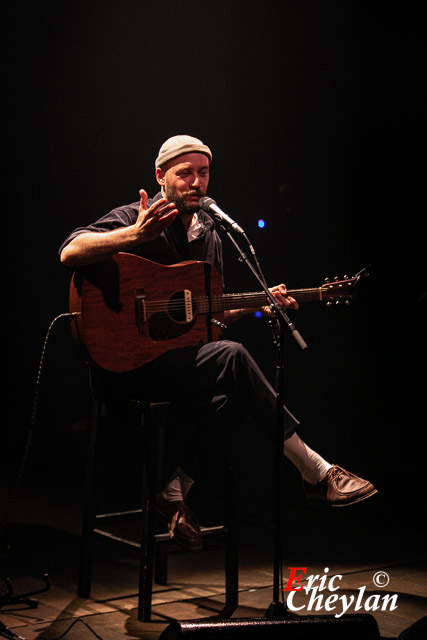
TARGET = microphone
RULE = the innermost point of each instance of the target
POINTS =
(211, 207)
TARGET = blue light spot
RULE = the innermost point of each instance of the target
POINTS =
(258, 314)
(261, 224)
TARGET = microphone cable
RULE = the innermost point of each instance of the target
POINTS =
(32, 420)
(5, 631)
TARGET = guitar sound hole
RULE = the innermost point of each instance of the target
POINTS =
(176, 322)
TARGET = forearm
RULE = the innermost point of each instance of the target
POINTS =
(91, 247)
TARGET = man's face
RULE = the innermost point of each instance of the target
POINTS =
(184, 180)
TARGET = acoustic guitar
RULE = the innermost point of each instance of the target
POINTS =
(129, 310)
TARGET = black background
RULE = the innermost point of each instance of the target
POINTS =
(314, 113)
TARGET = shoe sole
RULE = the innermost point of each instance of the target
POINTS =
(324, 504)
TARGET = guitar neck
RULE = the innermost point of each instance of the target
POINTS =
(257, 299)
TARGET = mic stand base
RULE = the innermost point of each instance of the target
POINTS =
(276, 610)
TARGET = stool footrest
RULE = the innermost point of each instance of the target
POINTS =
(112, 536)
(158, 537)
(130, 512)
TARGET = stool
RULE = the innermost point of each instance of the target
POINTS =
(152, 547)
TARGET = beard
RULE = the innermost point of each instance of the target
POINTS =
(179, 198)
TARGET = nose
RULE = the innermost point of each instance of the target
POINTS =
(195, 183)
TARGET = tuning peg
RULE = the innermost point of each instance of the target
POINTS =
(329, 304)
(337, 302)
(345, 278)
(336, 278)
(327, 280)
(347, 302)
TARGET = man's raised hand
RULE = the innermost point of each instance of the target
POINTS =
(153, 220)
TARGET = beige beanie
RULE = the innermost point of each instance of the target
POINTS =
(178, 145)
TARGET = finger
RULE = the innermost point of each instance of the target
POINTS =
(279, 297)
(267, 311)
(143, 200)
(164, 209)
(285, 301)
(166, 220)
(159, 208)
(280, 288)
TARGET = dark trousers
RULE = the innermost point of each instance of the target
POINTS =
(211, 387)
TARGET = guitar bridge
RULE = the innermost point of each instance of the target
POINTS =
(140, 311)
(188, 305)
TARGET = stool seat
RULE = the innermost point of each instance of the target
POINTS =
(152, 546)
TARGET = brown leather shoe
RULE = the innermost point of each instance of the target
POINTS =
(339, 488)
(183, 524)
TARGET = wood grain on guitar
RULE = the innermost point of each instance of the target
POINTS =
(132, 310)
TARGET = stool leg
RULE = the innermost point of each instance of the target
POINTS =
(86, 547)
(231, 546)
(147, 530)
(160, 550)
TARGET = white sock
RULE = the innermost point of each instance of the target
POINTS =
(310, 464)
(178, 486)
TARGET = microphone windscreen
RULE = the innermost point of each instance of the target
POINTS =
(205, 202)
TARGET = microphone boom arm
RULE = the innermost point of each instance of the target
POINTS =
(228, 224)
(274, 305)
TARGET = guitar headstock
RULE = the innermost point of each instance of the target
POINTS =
(338, 291)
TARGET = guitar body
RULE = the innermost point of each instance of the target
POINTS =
(132, 310)
(129, 310)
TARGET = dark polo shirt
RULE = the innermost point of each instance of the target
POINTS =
(172, 246)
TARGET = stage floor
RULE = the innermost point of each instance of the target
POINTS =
(365, 544)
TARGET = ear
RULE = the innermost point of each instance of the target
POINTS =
(160, 176)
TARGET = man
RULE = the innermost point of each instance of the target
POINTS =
(211, 383)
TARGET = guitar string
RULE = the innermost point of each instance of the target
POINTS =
(233, 297)
(202, 300)
(219, 302)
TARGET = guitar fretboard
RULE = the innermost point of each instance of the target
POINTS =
(256, 299)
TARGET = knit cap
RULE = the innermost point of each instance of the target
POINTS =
(178, 145)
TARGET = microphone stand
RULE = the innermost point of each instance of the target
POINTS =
(277, 613)
(277, 607)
